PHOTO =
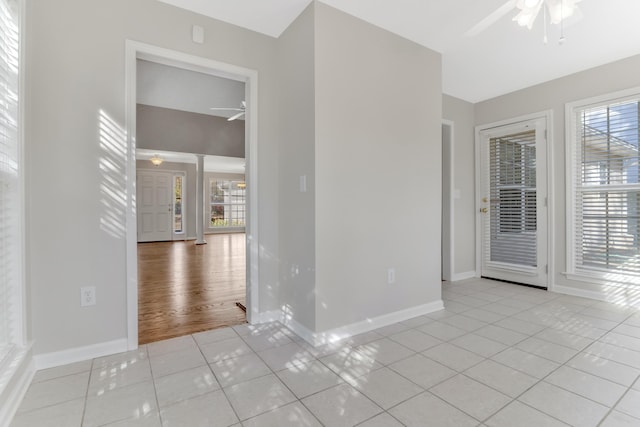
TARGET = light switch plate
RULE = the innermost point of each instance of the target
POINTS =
(198, 34)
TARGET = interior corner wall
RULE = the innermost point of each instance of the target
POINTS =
(553, 95)
(461, 113)
(75, 155)
(296, 284)
(377, 171)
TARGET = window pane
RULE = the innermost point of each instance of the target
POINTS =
(177, 203)
(512, 204)
(609, 230)
(227, 203)
(606, 216)
(609, 144)
(218, 191)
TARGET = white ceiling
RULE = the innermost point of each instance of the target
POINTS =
(499, 60)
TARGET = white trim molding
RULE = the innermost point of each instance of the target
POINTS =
(449, 195)
(79, 354)
(343, 332)
(607, 280)
(136, 50)
(464, 276)
(615, 294)
(547, 116)
(21, 375)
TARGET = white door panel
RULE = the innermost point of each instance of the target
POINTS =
(513, 212)
(154, 206)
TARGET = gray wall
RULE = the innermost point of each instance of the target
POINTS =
(343, 124)
(75, 159)
(297, 209)
(461, 113)
(173, 130)
(552, 96)
(378, 170)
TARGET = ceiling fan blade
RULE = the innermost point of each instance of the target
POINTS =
(491, 19)
(237, 116)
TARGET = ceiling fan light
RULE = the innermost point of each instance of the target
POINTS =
(525, 19)
(531, 3)
(559, 10)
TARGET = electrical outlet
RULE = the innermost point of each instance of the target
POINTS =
(391, 276)
(87, 296)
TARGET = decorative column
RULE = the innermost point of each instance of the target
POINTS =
(200, 200)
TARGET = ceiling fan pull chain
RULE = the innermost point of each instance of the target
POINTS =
(562, 38)
(544, 14)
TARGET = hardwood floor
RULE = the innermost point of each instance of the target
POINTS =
(185, 288)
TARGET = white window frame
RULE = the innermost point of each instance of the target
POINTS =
(15, 287)
(210, 204)
(183, 208)
(605, 278)
(15, 374)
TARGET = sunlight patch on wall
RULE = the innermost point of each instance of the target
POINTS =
(112, 164)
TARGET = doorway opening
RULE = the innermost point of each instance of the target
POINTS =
(225, 244)
(185, 287)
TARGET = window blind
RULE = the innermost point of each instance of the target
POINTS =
(9, 177)
(513, 195)
(607, 189)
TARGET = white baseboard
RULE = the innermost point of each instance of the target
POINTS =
(278, 316)
(78, 354)
(332, 335)
(568, 290)
(267, 316)
(367, 325)
(302, 331)
(463, 276)
(11, 397)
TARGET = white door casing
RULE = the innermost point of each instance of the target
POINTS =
(155, 206)
(512, 201)
(137, 50)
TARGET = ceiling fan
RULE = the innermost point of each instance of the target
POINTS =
(555, 10)
(240, 111)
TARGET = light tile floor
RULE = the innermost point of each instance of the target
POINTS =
(499, 355)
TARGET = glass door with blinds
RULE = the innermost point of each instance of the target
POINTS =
(512, 205)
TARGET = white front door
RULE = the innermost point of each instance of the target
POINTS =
(513, 202)
(155, 205)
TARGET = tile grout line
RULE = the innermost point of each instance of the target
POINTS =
(556, 369)
(86, 395)
(206, 361)
(155, 389)
(564, 389)
(613, 407)
(526, 297)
